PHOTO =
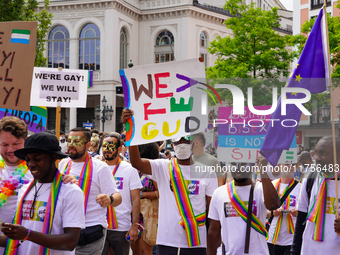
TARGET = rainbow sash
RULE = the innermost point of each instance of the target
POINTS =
(85, 178)
(111, 212)
(10, 248)
(318, 209)
(286, 203)
(190, 222)
(242, 210)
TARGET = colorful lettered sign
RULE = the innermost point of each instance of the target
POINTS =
(169, 100)
(240, 137)
(18, 41)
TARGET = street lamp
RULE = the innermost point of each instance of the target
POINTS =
(106, 112)
(325, 111)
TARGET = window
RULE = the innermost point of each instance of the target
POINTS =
(59, 48)
(123, 49)
(89, 48)
(164, 48)
(203, 47)
(315, 4)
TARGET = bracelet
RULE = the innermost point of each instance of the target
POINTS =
(136, 223)
(23, 240)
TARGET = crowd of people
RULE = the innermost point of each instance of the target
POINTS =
(89, 194)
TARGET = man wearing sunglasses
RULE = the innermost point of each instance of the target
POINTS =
(229, 212)
(129, 185)
(182, 197)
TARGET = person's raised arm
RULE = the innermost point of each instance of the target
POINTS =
(66, 241)
(136, 161)
(271, 198)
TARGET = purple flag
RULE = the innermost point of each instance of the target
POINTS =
(311, 73)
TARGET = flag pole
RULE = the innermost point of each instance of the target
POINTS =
(332, 115)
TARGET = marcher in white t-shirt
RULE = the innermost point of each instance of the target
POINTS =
(226, 222)
(128, 183)
(13, 133)
(283, 243)
(171, 236)
(46, 196)
(103, 191)
(303, 242)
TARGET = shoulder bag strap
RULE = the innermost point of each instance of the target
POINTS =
(249, 216)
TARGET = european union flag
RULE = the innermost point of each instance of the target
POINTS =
(311, 73)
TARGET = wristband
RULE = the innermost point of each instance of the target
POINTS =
(111, 199)
(23, 240)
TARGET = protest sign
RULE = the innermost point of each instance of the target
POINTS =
(34, 119)
(66, 87)
(17, 45)
(240, 137)
(168, 100)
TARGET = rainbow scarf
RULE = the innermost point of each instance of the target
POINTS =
(10, 248)
(242, 210)
(318, 209)
(190, 222)
(111, 212)
(286, 203)
(85, 178)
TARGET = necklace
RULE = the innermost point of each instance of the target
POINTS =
(35, 197)
(8, 186)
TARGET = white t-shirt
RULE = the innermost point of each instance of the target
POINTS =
(331, 242)
(102, 183)
(233, 227)
(284, 237)
(69, 213)
(127, 179)
(170, 233)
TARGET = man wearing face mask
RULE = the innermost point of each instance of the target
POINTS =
(229, 213)
(128, 182)
(182, 198)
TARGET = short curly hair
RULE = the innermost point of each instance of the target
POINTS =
(16, 126)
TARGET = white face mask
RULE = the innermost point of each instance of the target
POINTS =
(182, 151)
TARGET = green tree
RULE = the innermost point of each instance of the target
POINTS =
(255, 50)
(26, 10)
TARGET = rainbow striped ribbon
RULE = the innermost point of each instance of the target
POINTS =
(190, 223)
(10, 248)
(286, 203)
(85, 178)
(111, 212)
(318, 209)
(242, 210)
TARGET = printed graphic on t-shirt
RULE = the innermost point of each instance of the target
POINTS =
(119, 182)
(292, 201)
(193, 187)
(230, 211)
(39, 210)
(330, 207)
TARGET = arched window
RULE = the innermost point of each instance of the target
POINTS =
(59, 47)
(164, 48)
(203, 47)
(123, 49)
(89, 48)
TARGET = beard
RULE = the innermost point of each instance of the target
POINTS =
(77, 154)
(14, 161)
(241, 180)
(111, 157)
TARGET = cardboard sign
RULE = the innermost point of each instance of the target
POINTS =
(67, 87)
(241, 141)
(34, 119)
(169, 100)
(18, 42)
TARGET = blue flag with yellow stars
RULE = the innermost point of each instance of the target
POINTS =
(310, 73)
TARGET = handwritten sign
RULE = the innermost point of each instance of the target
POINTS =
(240, 137)
(34, 119)
(17, 55)
(169, 100)
(67, 87)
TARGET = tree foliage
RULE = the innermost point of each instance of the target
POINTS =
(21, 10)
(255, 50)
